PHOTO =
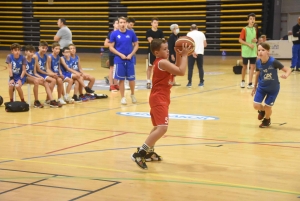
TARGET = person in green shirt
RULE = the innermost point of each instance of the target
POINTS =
(249, 49)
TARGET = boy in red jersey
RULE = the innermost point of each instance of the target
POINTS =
(159, 100)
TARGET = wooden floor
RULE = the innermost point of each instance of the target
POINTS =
(82, 151)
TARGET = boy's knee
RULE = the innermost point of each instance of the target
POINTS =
(256, 106)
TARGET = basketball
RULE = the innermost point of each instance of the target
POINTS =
(1, 100)
(188, 40)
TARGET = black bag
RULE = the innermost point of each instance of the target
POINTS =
(16, 106)
(100, 96)
(237, 69)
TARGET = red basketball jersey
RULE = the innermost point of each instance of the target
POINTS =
(162, 81)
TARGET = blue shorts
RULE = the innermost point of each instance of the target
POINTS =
(270, 96)
(133, 59)
(17, 78)
(43, 76)
(124, 70)
(67, 75)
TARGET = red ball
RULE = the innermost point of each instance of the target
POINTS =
(185, 39)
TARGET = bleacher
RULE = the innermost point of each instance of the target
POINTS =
(89, 21)
(11, 23)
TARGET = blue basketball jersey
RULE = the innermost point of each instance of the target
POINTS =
(268, 76)
(16, 65)
(74, 63)
(55, 63)
(123, 43)
(42, 61)
(30, 67)
(68, 62)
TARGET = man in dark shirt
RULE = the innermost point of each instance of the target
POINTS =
(151, 34)
(296, 47)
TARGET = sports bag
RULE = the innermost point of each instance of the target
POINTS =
(16, 106)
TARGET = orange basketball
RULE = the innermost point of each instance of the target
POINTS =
(185, 39)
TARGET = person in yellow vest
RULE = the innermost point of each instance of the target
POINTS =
(249, 49)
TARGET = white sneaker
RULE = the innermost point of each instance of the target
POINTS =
(47, 102)
(250, 86)
(66, 98)
(133, 99)
(123, 101)
(243, 84)
(127, 87)
(71, 101)
(61, 101)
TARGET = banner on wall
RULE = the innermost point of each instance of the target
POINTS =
(280, 49)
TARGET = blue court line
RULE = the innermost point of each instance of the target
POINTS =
(216, 89)
(124, 148)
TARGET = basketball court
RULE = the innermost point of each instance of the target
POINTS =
(213, 150)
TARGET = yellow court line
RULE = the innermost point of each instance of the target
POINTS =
(161, 175)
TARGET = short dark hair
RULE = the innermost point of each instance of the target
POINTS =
(29, 48)
(15, 46)
(65, 48)
(251, 15)
(55, 44)
(156, 44)
(154, 18)
(130, 19)
(43, 43)
(265, 46)
(63, 20)
(193, 27)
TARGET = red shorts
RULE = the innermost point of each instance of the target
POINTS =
(160, 115)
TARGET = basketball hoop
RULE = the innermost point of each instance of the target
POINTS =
(50, 1)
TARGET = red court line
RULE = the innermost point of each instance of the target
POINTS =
(5, 67)
(164, 135)
(86, 143)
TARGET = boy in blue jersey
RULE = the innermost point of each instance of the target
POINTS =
(42, 69)
(34, 78)
(124, 44)
(266, 85)
(16, 71)
(54, 64)
(69, 72)
(76, 65)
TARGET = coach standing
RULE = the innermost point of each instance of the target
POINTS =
(63, 35)
(296, 47)
(200, 43)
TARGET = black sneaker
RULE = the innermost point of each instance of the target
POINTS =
(265, 123)
(152, 156)
(261, 114)
(88, 90)
(139, 158)
(298, 69)
(54, 103)
(38, 104)
(76, 99)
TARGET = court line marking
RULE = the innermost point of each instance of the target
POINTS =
(86, 143)
(124, 148)
(174, 136)
(195, 181)
(120, 107)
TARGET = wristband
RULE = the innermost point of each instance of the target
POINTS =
(11, 78)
